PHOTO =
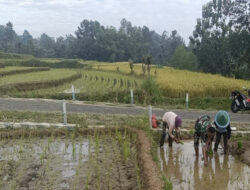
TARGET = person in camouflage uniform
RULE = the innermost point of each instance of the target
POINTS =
(204, 130)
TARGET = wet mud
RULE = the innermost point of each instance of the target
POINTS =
(186, 171)
(244, 153)
(64, 164)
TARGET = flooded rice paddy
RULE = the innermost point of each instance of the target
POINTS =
(67, 163)
(185, 171)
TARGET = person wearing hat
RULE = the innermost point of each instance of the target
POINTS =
(222, 123)
(173, 122)
(204, 130)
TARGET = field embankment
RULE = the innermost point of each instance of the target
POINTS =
(39, 80)
(36, 62)
(18, 70)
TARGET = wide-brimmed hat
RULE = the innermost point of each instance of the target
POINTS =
(222, 119)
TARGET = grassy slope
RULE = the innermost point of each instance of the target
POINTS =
(38, 76)
(13, 68)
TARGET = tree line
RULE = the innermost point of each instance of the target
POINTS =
(220, 42)
(93, 41)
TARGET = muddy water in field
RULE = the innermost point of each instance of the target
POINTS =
(67, 164)
(57, 159)
(185, 171)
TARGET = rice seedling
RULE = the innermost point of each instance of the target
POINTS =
(126, 149)
(73, 145)
(95, 164)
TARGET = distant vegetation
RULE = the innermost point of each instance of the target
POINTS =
(93, 41)
(14, 56)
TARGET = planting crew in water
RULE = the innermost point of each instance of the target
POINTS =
(173, 122)
(222, 123)
(204, 130)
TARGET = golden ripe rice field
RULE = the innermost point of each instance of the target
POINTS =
(176, 83)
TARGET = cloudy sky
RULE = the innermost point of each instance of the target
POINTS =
(61, 17)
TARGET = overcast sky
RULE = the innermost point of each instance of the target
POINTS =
(61, 17)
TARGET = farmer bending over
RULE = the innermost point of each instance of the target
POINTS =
(205, 130)
(172, 122)
(222, 123)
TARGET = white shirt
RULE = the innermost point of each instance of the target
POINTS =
(169, 118)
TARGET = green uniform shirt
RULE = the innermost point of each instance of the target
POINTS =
(201, 126)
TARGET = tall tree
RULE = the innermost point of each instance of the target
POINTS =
(215, 34)
(184, 59)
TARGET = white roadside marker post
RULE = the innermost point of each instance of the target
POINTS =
(150, 116)
(73, 93)
(187, 100)
(64, 113)
(132, 96)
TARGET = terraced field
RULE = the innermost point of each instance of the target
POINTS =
(91, 83)
(54, 74)
(5, 69)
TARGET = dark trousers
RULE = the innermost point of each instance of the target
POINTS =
(163, 135)
(217, 141)
(170, 140)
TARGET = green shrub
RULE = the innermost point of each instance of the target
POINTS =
(151, 90)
